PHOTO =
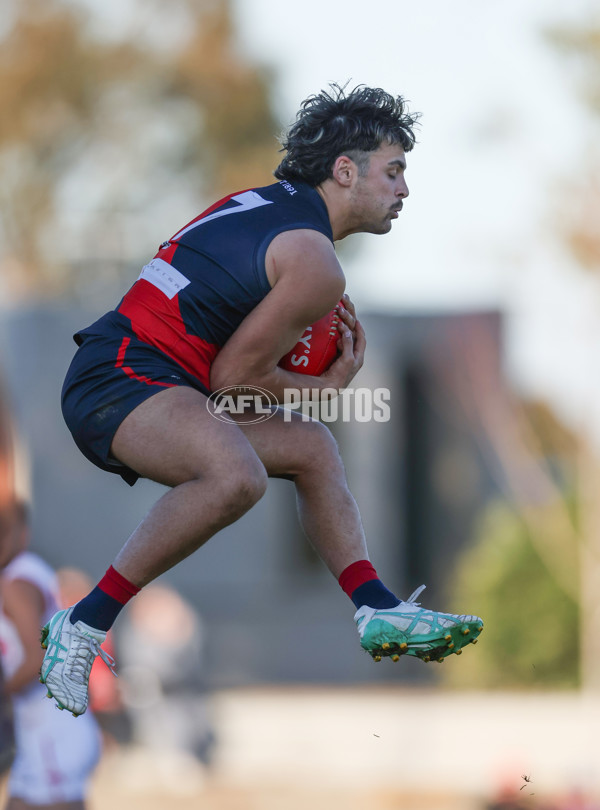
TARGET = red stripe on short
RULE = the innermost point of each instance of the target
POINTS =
(130, 372)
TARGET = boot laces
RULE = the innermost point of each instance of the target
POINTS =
(414, 595)
(84, 655)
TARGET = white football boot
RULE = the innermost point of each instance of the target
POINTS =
(409, 629)
(71, 649)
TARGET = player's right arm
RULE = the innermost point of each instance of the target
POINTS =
(307, 282)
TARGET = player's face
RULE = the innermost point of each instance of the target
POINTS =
(377, 196)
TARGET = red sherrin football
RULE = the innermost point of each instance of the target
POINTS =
(317, 348)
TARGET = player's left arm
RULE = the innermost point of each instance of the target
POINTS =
(23, 604)
(307, 281)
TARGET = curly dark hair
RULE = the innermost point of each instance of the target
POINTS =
(334, 123)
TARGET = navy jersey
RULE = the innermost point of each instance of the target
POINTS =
(204, 281)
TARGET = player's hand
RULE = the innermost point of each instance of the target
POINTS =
(351, 345)
(347, 315)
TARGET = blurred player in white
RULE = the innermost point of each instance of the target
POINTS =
(55, 754)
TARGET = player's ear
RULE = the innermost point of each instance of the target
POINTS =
(344, 170)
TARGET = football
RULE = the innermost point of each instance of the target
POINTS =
(317, 348)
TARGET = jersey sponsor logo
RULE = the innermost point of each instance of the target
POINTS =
(247, 200)
(165, 277)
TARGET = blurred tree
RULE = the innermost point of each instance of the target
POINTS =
(112, 135)
(534, 566)
(531, 633)
(578, 224)
(521, 571)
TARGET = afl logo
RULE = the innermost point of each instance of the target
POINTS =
(253, 403)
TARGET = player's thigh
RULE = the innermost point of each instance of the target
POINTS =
(288, 444)
(172, 437)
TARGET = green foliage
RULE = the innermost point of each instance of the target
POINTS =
(531, 629)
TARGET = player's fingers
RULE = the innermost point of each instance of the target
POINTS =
(345, 317)
(345, 344)
(349, 305)
(347, 340)
(345, 367)
(359, 332)
(360, 340)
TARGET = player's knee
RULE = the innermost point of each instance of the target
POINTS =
(243, 487)
(320, 446)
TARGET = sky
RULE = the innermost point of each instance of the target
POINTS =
(503, 131)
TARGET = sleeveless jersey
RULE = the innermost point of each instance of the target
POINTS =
(203, 281)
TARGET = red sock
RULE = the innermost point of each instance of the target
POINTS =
(102, 605)
(356, 575)
(363, 586)
(115, 585)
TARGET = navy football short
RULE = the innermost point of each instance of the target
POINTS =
(109, 377)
